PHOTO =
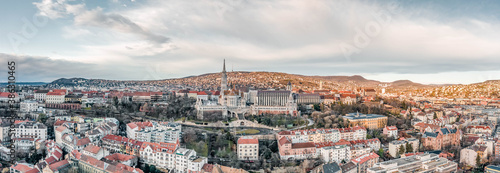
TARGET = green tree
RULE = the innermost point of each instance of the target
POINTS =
(146, 168)
(381, 152)
(152, 169)
(317, 107)
(435, 115)
(409, 148)
(401, 150)
(478, 160)
(42, 118)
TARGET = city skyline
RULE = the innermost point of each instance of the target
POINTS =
(421, 41)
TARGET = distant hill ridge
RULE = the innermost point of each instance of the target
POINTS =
(258, 77)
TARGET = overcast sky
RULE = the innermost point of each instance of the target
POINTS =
(423, 41)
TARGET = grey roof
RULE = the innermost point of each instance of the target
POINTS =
(354, 116)
(430, 134)
(348, 166)
(448, 131)
(331, 168)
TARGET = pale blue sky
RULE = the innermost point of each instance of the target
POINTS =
(423, 41)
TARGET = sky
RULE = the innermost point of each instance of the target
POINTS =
(430, 42)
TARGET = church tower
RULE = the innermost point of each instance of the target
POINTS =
(223, 81)
(289, 86)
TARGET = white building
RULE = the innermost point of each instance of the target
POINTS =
(248, 148)
(55, 97)
(169, 156)
(95, 151)
(154, 132)
(30, 129)
(4, 130)
(422, 162)
(394, 146)
(391, 131)
(40, 95)
(29, 106)
(337, 153)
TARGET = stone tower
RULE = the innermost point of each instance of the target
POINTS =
(223, 81)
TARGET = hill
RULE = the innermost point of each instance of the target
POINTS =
(247, 79)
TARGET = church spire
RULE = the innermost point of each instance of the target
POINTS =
(224, 66)
(223, 82)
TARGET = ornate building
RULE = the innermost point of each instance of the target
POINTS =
(233, 101)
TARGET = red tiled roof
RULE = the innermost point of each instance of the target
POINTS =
(92, 149)
(141, 125)
(365, 157)
(283, 141)
(303, 145)
(391, 128)
(6, 94)
(56, 93)
(247, 141)
(119, 157)
(50, 160)
(207, 167)
(61, 128)
(77, 154)
(20, 121)
(83, 141)
(21, 167)
(59, 165)
(34, 170)
(59, 122)
(202, 93)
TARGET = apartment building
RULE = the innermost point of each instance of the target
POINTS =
(289, 150)
(427, 162)
(394, 146)
(469, 155)
(28, 106)
(95, 151)
(72, 142)
(365, 161)
(55, 97)
(87, 164)
(169, 156)
(40, 95)
(334, 153)
(30, 129)
(370, 121)
(154, 131)
(324, 135)
(391, 131)
(4, 131)
(248, 148)
(441, 138)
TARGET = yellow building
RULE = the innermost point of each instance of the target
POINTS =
(369, 121)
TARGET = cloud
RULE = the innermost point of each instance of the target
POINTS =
(55, 9)
(289, 36)
(97, 18)
(36, 68)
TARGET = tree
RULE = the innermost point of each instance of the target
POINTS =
(381, 152)
(42, 118)
(146, 168)
(478, 160)
(401, 150)
(435, 115)
(189, 136)
(409, 148)
(152, 169)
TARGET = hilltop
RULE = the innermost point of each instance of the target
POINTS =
(248, 79)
